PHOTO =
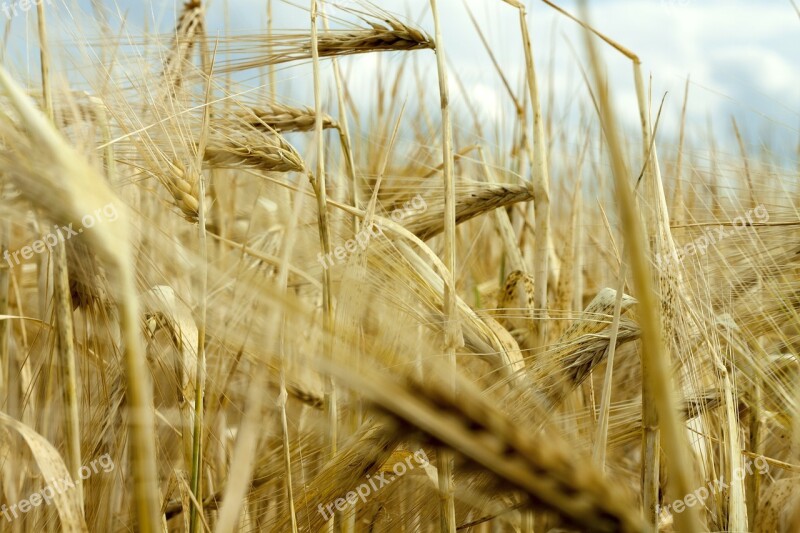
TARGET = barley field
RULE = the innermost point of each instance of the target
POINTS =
(301, 279)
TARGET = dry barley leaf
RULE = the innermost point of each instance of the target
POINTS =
(64, 184)
(54, 471)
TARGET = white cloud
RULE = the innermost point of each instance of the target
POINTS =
(741, 55)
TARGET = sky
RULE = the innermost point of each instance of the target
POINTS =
(741, 57)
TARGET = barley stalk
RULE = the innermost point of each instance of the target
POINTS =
(202, 284)
(452, 332)
(344, 134)
(62, 296)
(540, 185)
(320, 191)
(657, 377)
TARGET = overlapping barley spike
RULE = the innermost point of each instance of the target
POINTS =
(582, 346)
(515, 308)
(187, 32)
(485, 337)
(282, 118)
(390, 36)
(252, 149)
(543, 469)
(64, 184)
(232, 145)
(361, 456)
(394, 35)
(469, 204)
(183, 186)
